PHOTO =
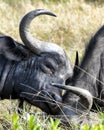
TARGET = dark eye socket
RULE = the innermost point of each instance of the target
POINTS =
(49, 66)
(68, 81)
(52, 65)
(45, 69)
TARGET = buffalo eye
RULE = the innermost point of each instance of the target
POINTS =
(49, 66)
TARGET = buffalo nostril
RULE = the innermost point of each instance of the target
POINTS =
(56, 97)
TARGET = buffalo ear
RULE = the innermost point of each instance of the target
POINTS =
(11, 49)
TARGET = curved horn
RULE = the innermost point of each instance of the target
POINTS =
(79, 91)
(75, 70)
(33, 44)
(77, 59)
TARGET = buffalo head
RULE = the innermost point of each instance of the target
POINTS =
(33, 67)
(87, 90)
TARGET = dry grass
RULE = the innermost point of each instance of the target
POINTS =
(75, 23)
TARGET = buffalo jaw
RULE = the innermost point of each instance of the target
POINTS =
(71, 111)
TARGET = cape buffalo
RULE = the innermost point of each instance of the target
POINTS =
(87, 84)
(27, 71)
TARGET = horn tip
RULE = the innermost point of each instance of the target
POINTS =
(52, 84)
